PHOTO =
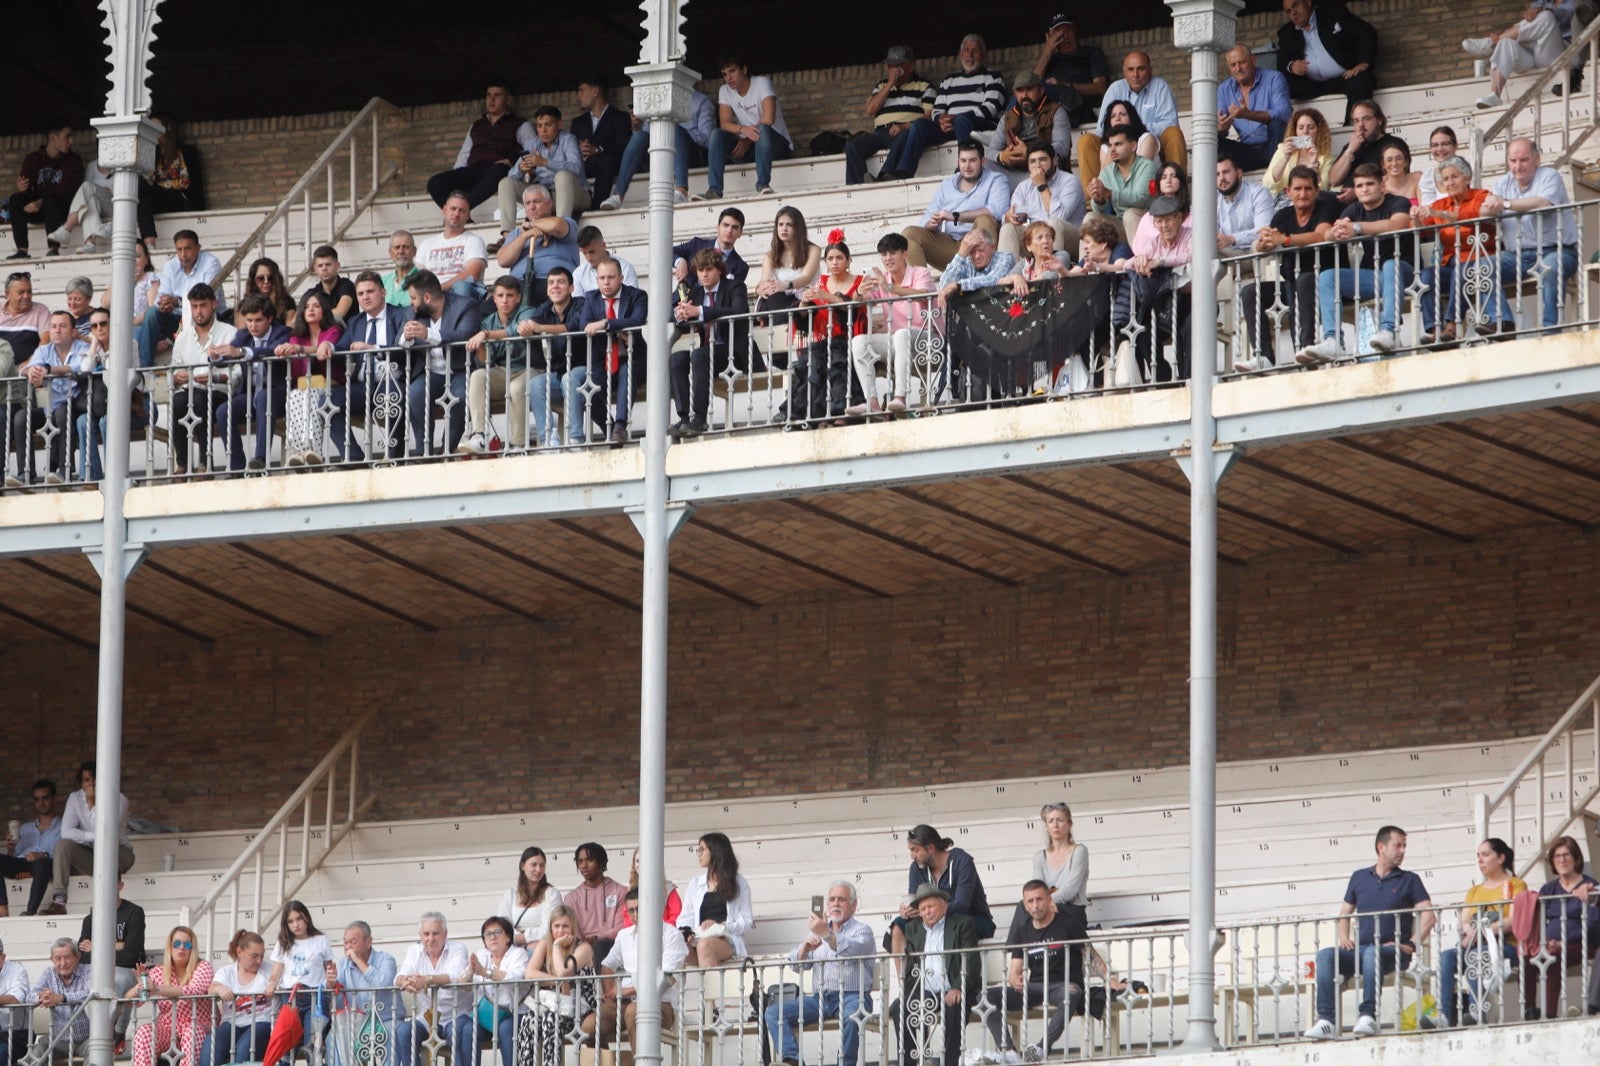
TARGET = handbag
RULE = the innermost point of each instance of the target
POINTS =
(490, 1014)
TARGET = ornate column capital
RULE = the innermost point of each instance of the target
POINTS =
(661, 90)
(1204, 24)
(127, 142)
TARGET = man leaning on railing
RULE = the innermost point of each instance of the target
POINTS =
(839, 989)
(618, 1000)
(943, 975)
(61, 989)
(1384, 941)
(1542, 242)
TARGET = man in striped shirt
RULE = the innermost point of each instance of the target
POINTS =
(967, 102)
(901, 97)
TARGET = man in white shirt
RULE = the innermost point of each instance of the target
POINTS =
(592, 246)
(13, 1023)
(1049, 194)
(841, 989)
(197, 386)
(1243, 210)
(432, 970)
(456, 256)
(749, 120)
(619, 996)
(75, 850)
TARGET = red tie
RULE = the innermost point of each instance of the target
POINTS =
(614, 352)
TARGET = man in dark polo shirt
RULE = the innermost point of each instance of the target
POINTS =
(1299, 230)
(1384, 940)
(1075, 75)
(496, 140)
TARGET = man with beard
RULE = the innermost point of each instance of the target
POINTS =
(1243, 209)
(1050, 194)
(967, 102)
(1035, 120)
(403, 253)
(441, 324)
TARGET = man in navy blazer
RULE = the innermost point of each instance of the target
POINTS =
(441, 324)
(267, 391)
(617, 357)
(715, 295)
(602, 133)
(1327, 51)
(377, 382)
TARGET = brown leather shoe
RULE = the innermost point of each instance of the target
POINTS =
(55, 906)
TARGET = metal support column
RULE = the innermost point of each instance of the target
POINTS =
(127, 148)
(1204, 27)
(661, 86)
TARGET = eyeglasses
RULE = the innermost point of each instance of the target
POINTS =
(182, 945)
(493, 932)
(263, 277)
(99, 325)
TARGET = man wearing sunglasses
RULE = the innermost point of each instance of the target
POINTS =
(130, 953)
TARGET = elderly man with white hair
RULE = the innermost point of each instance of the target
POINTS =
(437, 970)
(60, 989)
(1542, 244)
(1532, 43)
(840, 946)
(13, 1023)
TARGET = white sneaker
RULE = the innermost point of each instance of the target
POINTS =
(1366, 1025)
(1252, 364)
(53, 478)
(680, 196)
(1478, 47)
(1322, 1029)
(473, 444)
(1382, 341)
(1322, 352)
(611, 203)
(1486, 102)
(1010, 1058)
(60, 236)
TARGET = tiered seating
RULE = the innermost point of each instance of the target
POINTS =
(1289, 833)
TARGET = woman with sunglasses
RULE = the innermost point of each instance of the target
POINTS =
(265, 277)
(182, 1021)
(1062, 863)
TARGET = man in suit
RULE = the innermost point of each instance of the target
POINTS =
(603, 133)
(943, 977)
(715, 295)
(1327, 51)
(730, 227)
(268, 384)
(619, 360)
(375, 386)
(440, 326)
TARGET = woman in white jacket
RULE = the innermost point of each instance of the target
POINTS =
(716, 908)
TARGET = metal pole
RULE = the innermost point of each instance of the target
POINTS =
(1204, 27)
(123, 144)
(658, 88)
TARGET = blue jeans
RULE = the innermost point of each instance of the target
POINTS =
(460, 1032)
(1447, 982)
(925, 133)
(469, 287)
(685, 154)
(1375, 961)
(1444, 283)
(427, 388)
(1555, 260)
(544, 430)
(236, 1043)
(1391, 276)
(89, 448)
(153, 328)
(768, 148)
(808, 1010)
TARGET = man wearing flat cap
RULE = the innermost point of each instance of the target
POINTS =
(1075, 75)
(901, 97)
(1033, 120)
(943, 977)
(1159, 276)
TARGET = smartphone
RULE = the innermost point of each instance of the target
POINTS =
(1300, 143)
(816, 905)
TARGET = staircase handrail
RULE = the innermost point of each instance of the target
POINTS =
(1535, 91)
(1486, 805)
(326, 770)
(345, 138)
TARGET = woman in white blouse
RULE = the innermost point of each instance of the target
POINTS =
(528, 903)
(1062, 863)
(716, 908)
(497, 967)
(247, 1009)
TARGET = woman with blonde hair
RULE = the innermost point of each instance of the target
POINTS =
(182, 1020)
(1062, 863)
(1307, 142)
(564, 965)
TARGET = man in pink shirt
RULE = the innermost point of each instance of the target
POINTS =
(598, 901)
(1159, 275)
(894, 326)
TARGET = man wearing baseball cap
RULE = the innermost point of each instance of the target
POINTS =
(902, 97)
(1075, 75)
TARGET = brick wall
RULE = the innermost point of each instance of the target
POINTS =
(255, 161)
(1431, 643)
